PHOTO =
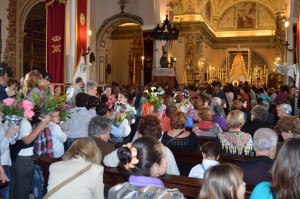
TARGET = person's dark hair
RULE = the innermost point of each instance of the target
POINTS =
(149, 152)
(149, 125)
(286, 170)
(124, 93)
(81, 99)
(101, 109)
(139, 92)
(261, 90)
(217, 84)
(106, 86)
(12, 81)
(78, 80)
(46, 75)
(211, 149)
(226, 89)
(284, 88)
(171, 109)
(92, 102)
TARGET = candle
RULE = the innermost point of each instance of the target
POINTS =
(286, 24)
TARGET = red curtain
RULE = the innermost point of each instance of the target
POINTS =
(81, 30)
(55, 40)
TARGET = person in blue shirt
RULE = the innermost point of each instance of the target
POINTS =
(285, 174)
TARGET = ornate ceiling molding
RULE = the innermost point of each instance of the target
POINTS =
(111, 23)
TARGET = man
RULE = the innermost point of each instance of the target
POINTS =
(75, 89)
(91, 88)
(220, 93)
(259, 115)
(3, 84)
(99, 129)
(257, 169)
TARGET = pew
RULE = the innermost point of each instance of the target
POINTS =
(190, 187)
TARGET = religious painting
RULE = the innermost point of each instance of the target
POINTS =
(246, 15)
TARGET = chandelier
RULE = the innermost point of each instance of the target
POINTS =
(166, 31)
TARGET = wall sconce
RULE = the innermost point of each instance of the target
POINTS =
(88, 49)
(286, 25)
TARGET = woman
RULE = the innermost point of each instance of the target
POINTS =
(234, 141)
(238, 105)
(32, 82)
(137, 103)
(219, 116)
(178, 137)
(206, 126)
(83, 154)
(165, 121)
(21, 155)
(145, 160)
(223, 181)
(285, 174)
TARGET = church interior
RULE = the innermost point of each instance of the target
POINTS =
(230, 40)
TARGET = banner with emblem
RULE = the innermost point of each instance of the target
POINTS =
(55, 39)
(81, 31)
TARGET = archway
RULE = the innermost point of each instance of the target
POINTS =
(34, 43)
(102, 36)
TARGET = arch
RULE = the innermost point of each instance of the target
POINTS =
(111, 23)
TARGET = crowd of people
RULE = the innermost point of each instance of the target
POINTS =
(138, 128)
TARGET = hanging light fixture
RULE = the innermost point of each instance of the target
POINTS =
(166, 31)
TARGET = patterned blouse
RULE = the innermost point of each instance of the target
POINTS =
(236, 142)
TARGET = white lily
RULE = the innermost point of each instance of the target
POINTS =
(153, 89)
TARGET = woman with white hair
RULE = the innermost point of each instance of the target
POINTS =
(283, 110)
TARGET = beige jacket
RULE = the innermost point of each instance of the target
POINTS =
(87, 186)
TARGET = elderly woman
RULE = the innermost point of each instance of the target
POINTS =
(91, 88)
(178, 137)
(99, 129)
(219, 116)
(206, 126)
(288, 127)
(283, 110)
(259, 115)
(235, 141)
(82, 161)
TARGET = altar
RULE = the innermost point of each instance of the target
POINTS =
(164, 76)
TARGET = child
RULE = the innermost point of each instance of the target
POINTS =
(58, 136)
(210, 153)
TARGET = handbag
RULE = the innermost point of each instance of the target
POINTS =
(63, 183)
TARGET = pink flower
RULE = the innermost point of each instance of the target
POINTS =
(27, 105)
(9, 101)
(28, 113)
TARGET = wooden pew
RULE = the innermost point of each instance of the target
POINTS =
(190, 187)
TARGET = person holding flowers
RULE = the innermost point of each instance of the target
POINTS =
(21, 149)
(124, 115)
(31, 84)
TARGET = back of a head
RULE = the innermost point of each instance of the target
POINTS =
(78, 80)
(149, 151)
(178, 120)
(149, 125)
(286, 170)
(86, 148)
(99, 125)
(221, 182)
(101, 109)
(211, 149)
(81, 99)
(237, 105)
(171, 109)
(205, 114)
(216, 101)
(219, 110)
(235, 119)
(90, 85)
(260, 113)
(264, 139)
(286, 108)
(288, 123)
(92, 102)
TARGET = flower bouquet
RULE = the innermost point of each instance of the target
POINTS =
(65, 112)
(13, 110)
(124, 111)
(46, 103)
(153, 99)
